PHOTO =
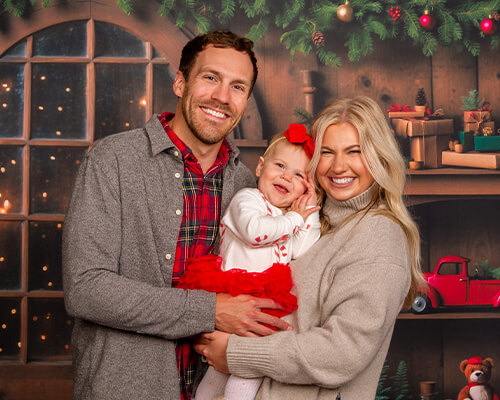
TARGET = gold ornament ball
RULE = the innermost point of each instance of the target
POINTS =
(344, 12)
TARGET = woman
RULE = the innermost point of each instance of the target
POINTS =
(353, 282)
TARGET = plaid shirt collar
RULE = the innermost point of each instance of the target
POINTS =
(189, 158)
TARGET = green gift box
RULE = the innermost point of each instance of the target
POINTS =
(487, 143)
(467, 140)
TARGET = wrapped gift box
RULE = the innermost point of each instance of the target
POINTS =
(476, 115)
(419, 127)
(474, 126)
(428, 149)
(467, 140)
(472, 159)
(405, 114)
(487, 143)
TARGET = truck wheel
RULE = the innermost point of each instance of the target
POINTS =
(421, 304)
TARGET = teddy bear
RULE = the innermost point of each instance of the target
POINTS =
(478, 373)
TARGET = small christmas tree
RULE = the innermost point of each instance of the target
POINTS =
(421, 99)
(472, 101)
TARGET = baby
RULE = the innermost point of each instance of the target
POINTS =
(261, 231)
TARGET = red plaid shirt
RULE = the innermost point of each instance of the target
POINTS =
(199, 228)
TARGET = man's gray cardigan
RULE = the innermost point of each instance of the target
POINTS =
(119, 243)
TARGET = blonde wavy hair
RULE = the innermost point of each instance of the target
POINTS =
(385, 163)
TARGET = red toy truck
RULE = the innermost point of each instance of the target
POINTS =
(453, 284)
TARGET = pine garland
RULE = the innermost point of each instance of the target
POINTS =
(458, 23)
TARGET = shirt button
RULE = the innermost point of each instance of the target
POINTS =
(178, 212)
(176, 153)
(177, 175)
(168, 256)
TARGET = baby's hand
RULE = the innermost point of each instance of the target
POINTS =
(305, 205)
(311, 189)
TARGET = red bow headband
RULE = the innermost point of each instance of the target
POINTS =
(297, 134)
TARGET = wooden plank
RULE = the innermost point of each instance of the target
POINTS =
(489, 77)
(453, 76)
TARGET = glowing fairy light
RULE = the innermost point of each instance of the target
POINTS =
(6, 207)
(68, 90)
(2, 259)
(2, 170)
(44, 195)
(143, 102)
(59, 108)
(4, 326)
(43, 337)
(13, 311)
(4, 85)
(52, 158)
(40, 108)
(59, 226)
(43, 77)
(49, 284)
(13, 162)
(45, 268)
(58, 133)
(4, 105)
(35, 318)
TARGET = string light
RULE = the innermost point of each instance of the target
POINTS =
(52, 158)
(127, 124)
(44, 195)
(43, 77)
(58, 133)
(13, 162)
(19, 344)
(4, 326)
(49, 284)
(2, 259)
(59, 226)
(2, 170)
(13, 311)
(143, 102)
(45, 268)
(40, 108)
(35, 318)
(4, 105)
(43, 337)
(59, 108)
(68, 90)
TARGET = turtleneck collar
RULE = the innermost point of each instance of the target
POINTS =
(337, 210)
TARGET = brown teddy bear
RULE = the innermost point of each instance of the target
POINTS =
(478, 373)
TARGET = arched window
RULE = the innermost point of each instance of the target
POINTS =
(60, 89)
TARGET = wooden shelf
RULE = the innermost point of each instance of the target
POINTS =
(452, 315)
(430, 185)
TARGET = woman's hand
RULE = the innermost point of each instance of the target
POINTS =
(213, 346)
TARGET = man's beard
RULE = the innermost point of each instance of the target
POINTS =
(206, 133)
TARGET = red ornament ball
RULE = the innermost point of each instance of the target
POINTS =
(488, 26)
(428, 21)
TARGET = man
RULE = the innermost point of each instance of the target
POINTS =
(143, 202)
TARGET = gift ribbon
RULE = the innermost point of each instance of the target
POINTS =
(396, 108)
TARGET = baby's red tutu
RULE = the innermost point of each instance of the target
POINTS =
(274, 283)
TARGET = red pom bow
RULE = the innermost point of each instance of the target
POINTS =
(297, 134)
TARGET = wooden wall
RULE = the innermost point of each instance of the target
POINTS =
(393, 73)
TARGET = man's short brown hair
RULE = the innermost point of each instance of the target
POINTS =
(221, 39)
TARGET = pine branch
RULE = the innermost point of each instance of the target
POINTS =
(125, 5)
(166, 7)
(328, 57)
(228, 9)
(258, 30)
(290, 12)
(202, 23)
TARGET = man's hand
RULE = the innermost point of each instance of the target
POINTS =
(241, 315)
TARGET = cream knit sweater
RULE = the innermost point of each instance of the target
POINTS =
(350, 286)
